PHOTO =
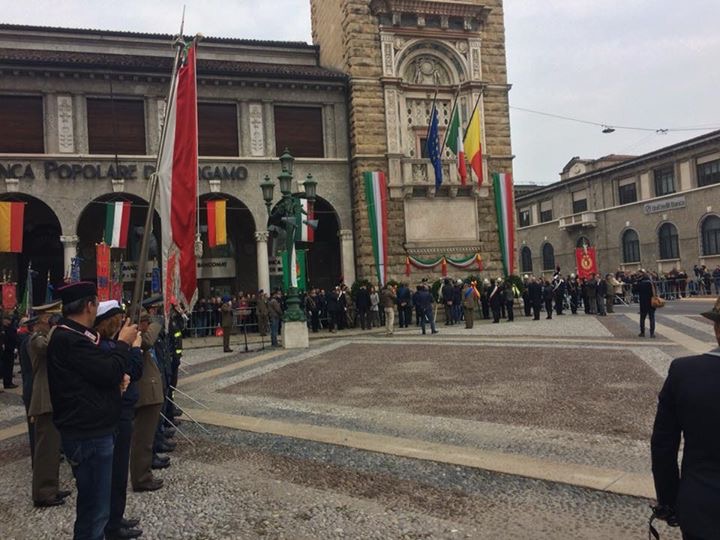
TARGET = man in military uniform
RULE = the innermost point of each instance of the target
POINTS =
(496, 298)
(86, 385)
(688, 407)
(46, 456)
(26, 330)
(147, 410)
(263, 319)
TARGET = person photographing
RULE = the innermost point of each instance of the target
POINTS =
(86, 385)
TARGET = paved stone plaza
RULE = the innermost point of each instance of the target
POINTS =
(523, 430)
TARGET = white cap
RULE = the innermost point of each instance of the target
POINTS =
(107, 309)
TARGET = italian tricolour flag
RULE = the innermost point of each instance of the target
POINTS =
(454, 141)
(376, 199)
(117, 223)
(503, 188)
(307, 233)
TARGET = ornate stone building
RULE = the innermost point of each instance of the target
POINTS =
(397, 55)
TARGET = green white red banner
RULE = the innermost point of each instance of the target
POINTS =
(503, 189)
(429, 264)
(376, 200)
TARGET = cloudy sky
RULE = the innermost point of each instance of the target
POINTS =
(650, 64)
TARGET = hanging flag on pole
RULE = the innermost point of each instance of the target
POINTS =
(307, 233)
(473, 143)
(117, 224)
(503, 189)
(11, 226)
(433, 146)
(102, 264)
(217, 222)
(9, 296)
(177, 185)
(27, 301)
(454, 141)
(376, 200)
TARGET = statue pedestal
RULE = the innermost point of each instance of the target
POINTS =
(295, 335)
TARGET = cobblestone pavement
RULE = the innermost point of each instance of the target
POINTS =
(573, 391)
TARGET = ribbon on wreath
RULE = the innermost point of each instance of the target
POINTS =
(429, 264)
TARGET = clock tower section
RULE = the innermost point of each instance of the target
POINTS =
(398, 55)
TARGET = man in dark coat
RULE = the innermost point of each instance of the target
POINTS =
(362, 303)
(644, 289)
(447, 300)
(688, 406)
(86, 385)
(535, 294)
(7, 350)
(548, 295)
(404, 301)
(424, 301)
(496, 298)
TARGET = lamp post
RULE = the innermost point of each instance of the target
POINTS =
(288, 215)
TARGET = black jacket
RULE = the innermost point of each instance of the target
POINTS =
(644, 290)
(535, 291)
(688, 404)
(362, 301)
(84, 381)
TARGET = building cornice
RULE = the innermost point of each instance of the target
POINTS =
(431, 7)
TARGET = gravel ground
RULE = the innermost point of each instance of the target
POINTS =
(234, 484)
(608, 392)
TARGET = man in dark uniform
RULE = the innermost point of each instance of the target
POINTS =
(46, 457)
(7, 351)
(485, 298)
(86, 385)
(362, 303)
(496, 298)
(227, 322)
(548, 295)
(535, 293)
(573, 291)
(447, 299)
(688, 406)
(527, 305)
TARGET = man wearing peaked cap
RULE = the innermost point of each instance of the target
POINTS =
(86, 384)
(688, 406)
(46, 454)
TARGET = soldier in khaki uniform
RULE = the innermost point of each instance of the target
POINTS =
(147, 411)
(46, 457)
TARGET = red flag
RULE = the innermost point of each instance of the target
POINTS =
(586, 262)
(102, 262)
(178, 186)
(9, 296)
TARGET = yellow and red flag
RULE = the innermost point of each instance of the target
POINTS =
(217, 222)
(473, 144)
(11, 226)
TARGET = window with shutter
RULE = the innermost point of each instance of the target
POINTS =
(299, 129)
(217, 129)
(21, 118)
(116, 126)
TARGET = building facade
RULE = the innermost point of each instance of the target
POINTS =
(82, 110)
(659, 211)
(400, 56)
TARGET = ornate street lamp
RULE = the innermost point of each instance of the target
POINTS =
(288, 215)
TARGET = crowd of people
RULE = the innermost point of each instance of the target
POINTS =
(98, 392)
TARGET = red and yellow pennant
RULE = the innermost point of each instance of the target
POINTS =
(217, 222)
(12, 215)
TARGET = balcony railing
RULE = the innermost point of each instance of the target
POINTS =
(583, 219)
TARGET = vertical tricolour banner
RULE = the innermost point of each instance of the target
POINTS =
(503, 188)
(117, 223)
(307, 233)
(177, 184)
(376, 199)
(473, 143)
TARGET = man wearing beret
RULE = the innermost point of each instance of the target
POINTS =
(46, 455)
(688, 406)
(86, 384)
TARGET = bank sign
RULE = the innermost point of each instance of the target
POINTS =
(220, 267)
(664, 205)
(75, 170)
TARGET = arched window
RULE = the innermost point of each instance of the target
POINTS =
(526, 259)
(668, 237)
(548, 257)
(710, 233)
(583, 241)
(630, 246)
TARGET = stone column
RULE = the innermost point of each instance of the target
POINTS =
(69, 251)
(347, 254)
(263, 266)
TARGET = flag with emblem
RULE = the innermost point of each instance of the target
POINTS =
(433, 146)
